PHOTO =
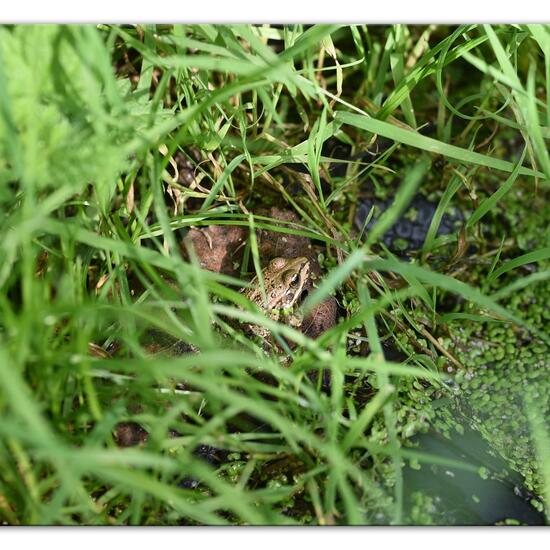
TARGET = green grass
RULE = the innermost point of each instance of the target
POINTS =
(92, 120)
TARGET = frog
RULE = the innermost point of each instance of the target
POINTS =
(220, 249)
(285, 280)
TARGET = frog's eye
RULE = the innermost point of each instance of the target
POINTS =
(291, 278)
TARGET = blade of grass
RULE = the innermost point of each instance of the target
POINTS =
(487, 205)
(431, 145)
(524, 259)
(541, 438)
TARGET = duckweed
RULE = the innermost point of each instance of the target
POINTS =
(517, 367)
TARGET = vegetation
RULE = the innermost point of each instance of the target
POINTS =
(115, 140)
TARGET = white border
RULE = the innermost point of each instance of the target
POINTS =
(279, 11)
(267, 538)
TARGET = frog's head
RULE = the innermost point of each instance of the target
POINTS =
(290, 278)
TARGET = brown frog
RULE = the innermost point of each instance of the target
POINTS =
(285, 280)
(220, 249)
